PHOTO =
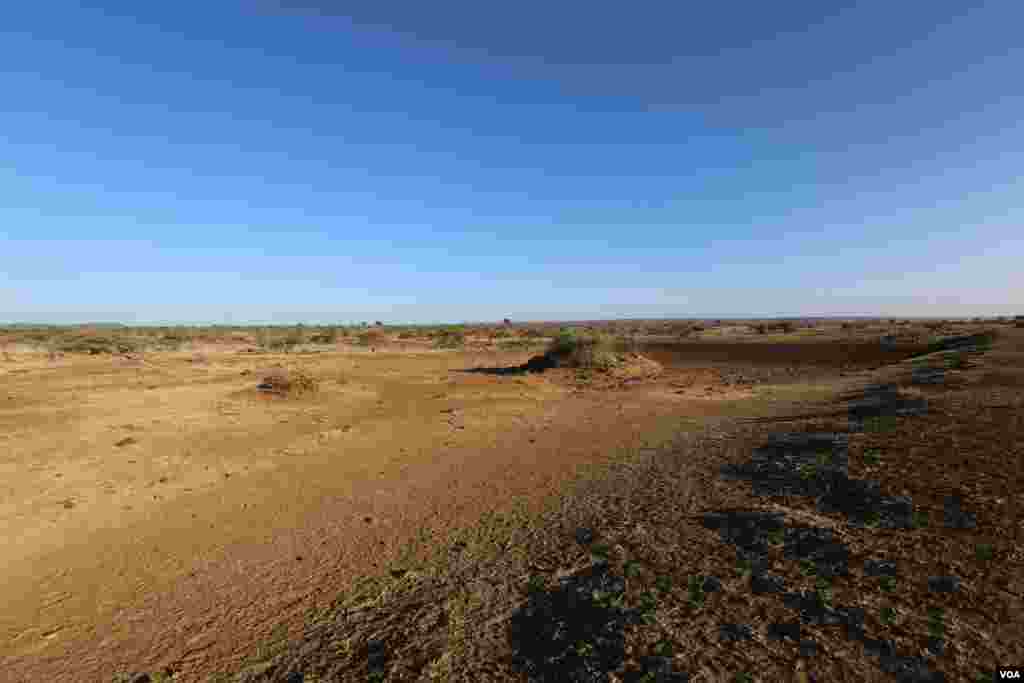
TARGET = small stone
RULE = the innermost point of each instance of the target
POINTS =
(879, 568)
(712, 585)
(943, 584)
(585, 536)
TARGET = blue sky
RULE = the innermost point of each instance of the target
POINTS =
(411, 162)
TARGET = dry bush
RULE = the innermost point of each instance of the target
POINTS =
(327, 335)
(372, 338)
(589, 350)
(279, 380)
(450, 339)
(94, 344)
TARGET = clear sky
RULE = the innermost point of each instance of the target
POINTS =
(422, 162)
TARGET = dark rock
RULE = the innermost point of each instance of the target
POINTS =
(943, 584)
(955, 517)
(661, 670)
(585, 536)
(879, 647)
(808, 648)
(762, 584)
(936, 646)
(813, 611)
(783, 630)
(735, 633)
(910, 670)
(746, 529)
(712, 585)
(574, 632)
(879, 567)
(820, 546)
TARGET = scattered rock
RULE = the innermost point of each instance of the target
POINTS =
(126, 441)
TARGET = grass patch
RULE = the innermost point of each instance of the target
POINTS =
(919, 519)
(936, 622)
(880, 424)
(872, 457)
(807, 471)
(823, 587)
(695, 591)
(984, 552)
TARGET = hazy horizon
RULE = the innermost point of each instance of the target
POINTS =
(460, 163)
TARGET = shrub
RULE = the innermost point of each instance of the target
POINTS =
(516, 343)
(289, 382)
(371, 338)
(450, 339)
(328, 335)
(287, 341)
(583, 350)
(95, 344)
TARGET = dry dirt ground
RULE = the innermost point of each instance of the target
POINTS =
(159, 514)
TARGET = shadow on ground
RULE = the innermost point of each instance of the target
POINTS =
(534, 365)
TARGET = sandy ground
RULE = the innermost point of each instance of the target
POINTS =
(159, 508)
